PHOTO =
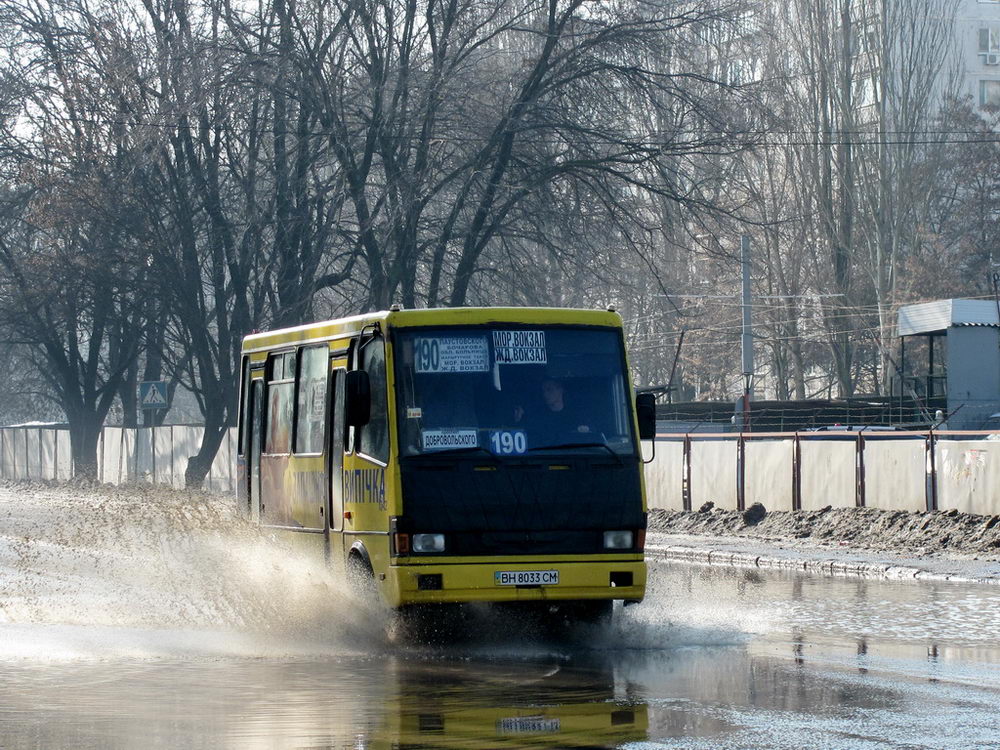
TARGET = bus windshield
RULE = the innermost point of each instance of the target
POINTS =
(512, 390)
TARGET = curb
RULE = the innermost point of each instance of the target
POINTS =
(832, 567)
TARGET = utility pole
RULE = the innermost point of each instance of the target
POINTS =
(995, 278)
(747, 338)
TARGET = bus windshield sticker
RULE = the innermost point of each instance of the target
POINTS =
(452, 354)
(509, 442)
(414, 412)
(519, 347)
(317, 398)
(436, 440)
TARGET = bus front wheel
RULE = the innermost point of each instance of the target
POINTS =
(361, 577)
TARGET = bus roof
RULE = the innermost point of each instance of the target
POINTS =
(342, 327)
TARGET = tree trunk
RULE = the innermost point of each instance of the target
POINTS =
(129, 398)
(200, 463)
(799, 369)
(84, 432)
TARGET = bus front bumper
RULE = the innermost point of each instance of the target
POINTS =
(429, 582)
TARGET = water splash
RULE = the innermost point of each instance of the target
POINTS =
(143, 571)
(147, 572)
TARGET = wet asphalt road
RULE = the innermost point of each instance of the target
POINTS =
(714, 658)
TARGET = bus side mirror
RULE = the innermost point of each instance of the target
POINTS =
(358, 392)
(645, 409)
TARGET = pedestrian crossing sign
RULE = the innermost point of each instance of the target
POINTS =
(153, 394)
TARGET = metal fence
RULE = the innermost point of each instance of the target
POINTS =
(783, 471)
(154, 455)
(808, 471)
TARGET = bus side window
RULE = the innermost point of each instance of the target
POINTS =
(374, 440)
(243, 432)
(281, 382)
(310, 399)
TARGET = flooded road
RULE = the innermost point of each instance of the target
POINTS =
(129, 628)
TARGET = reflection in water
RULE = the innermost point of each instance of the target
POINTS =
(962, 621)
(388, 702)
(693, 697)
(588, 692)
(522, 704)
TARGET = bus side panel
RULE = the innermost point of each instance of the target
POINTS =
(371, 488)
(308, 481)
(367, 487)
(294, 492)
(275, 502)
(335, 465)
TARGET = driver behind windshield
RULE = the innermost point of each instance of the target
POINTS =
(551, 422)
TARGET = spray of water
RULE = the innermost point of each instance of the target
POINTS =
(143, 572)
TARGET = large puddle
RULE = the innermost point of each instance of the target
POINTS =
(148, 620)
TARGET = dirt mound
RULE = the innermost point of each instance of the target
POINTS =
(938, 533)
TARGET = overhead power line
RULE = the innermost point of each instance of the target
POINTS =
(693, 138)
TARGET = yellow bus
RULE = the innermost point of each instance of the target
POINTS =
(454, 455)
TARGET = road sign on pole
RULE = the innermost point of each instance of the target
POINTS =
(153, 394)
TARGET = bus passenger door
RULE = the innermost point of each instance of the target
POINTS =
(256, 417)
(337, 452)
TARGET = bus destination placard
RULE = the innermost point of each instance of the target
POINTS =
(451, 354)
(519, 347)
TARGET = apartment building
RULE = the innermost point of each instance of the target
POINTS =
(977, 36)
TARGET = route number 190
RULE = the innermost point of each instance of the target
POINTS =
(508, 442)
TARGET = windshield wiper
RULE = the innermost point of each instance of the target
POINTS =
(593, 444)
(463, 449)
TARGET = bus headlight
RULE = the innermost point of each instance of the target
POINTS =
(617, 540)
(428, 542)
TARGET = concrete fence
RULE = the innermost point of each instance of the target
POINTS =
(783, 471)
(155, 455)
(808, 471)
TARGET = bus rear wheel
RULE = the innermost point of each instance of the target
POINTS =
(556, 619)
(587, 612)
(596, 612)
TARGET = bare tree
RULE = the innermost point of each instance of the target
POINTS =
(857, 84)
(451, 121)
(68, 255)
(70, 299)
(910, 70)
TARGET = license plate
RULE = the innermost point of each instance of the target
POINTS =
(526, 578)
(527, 725)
